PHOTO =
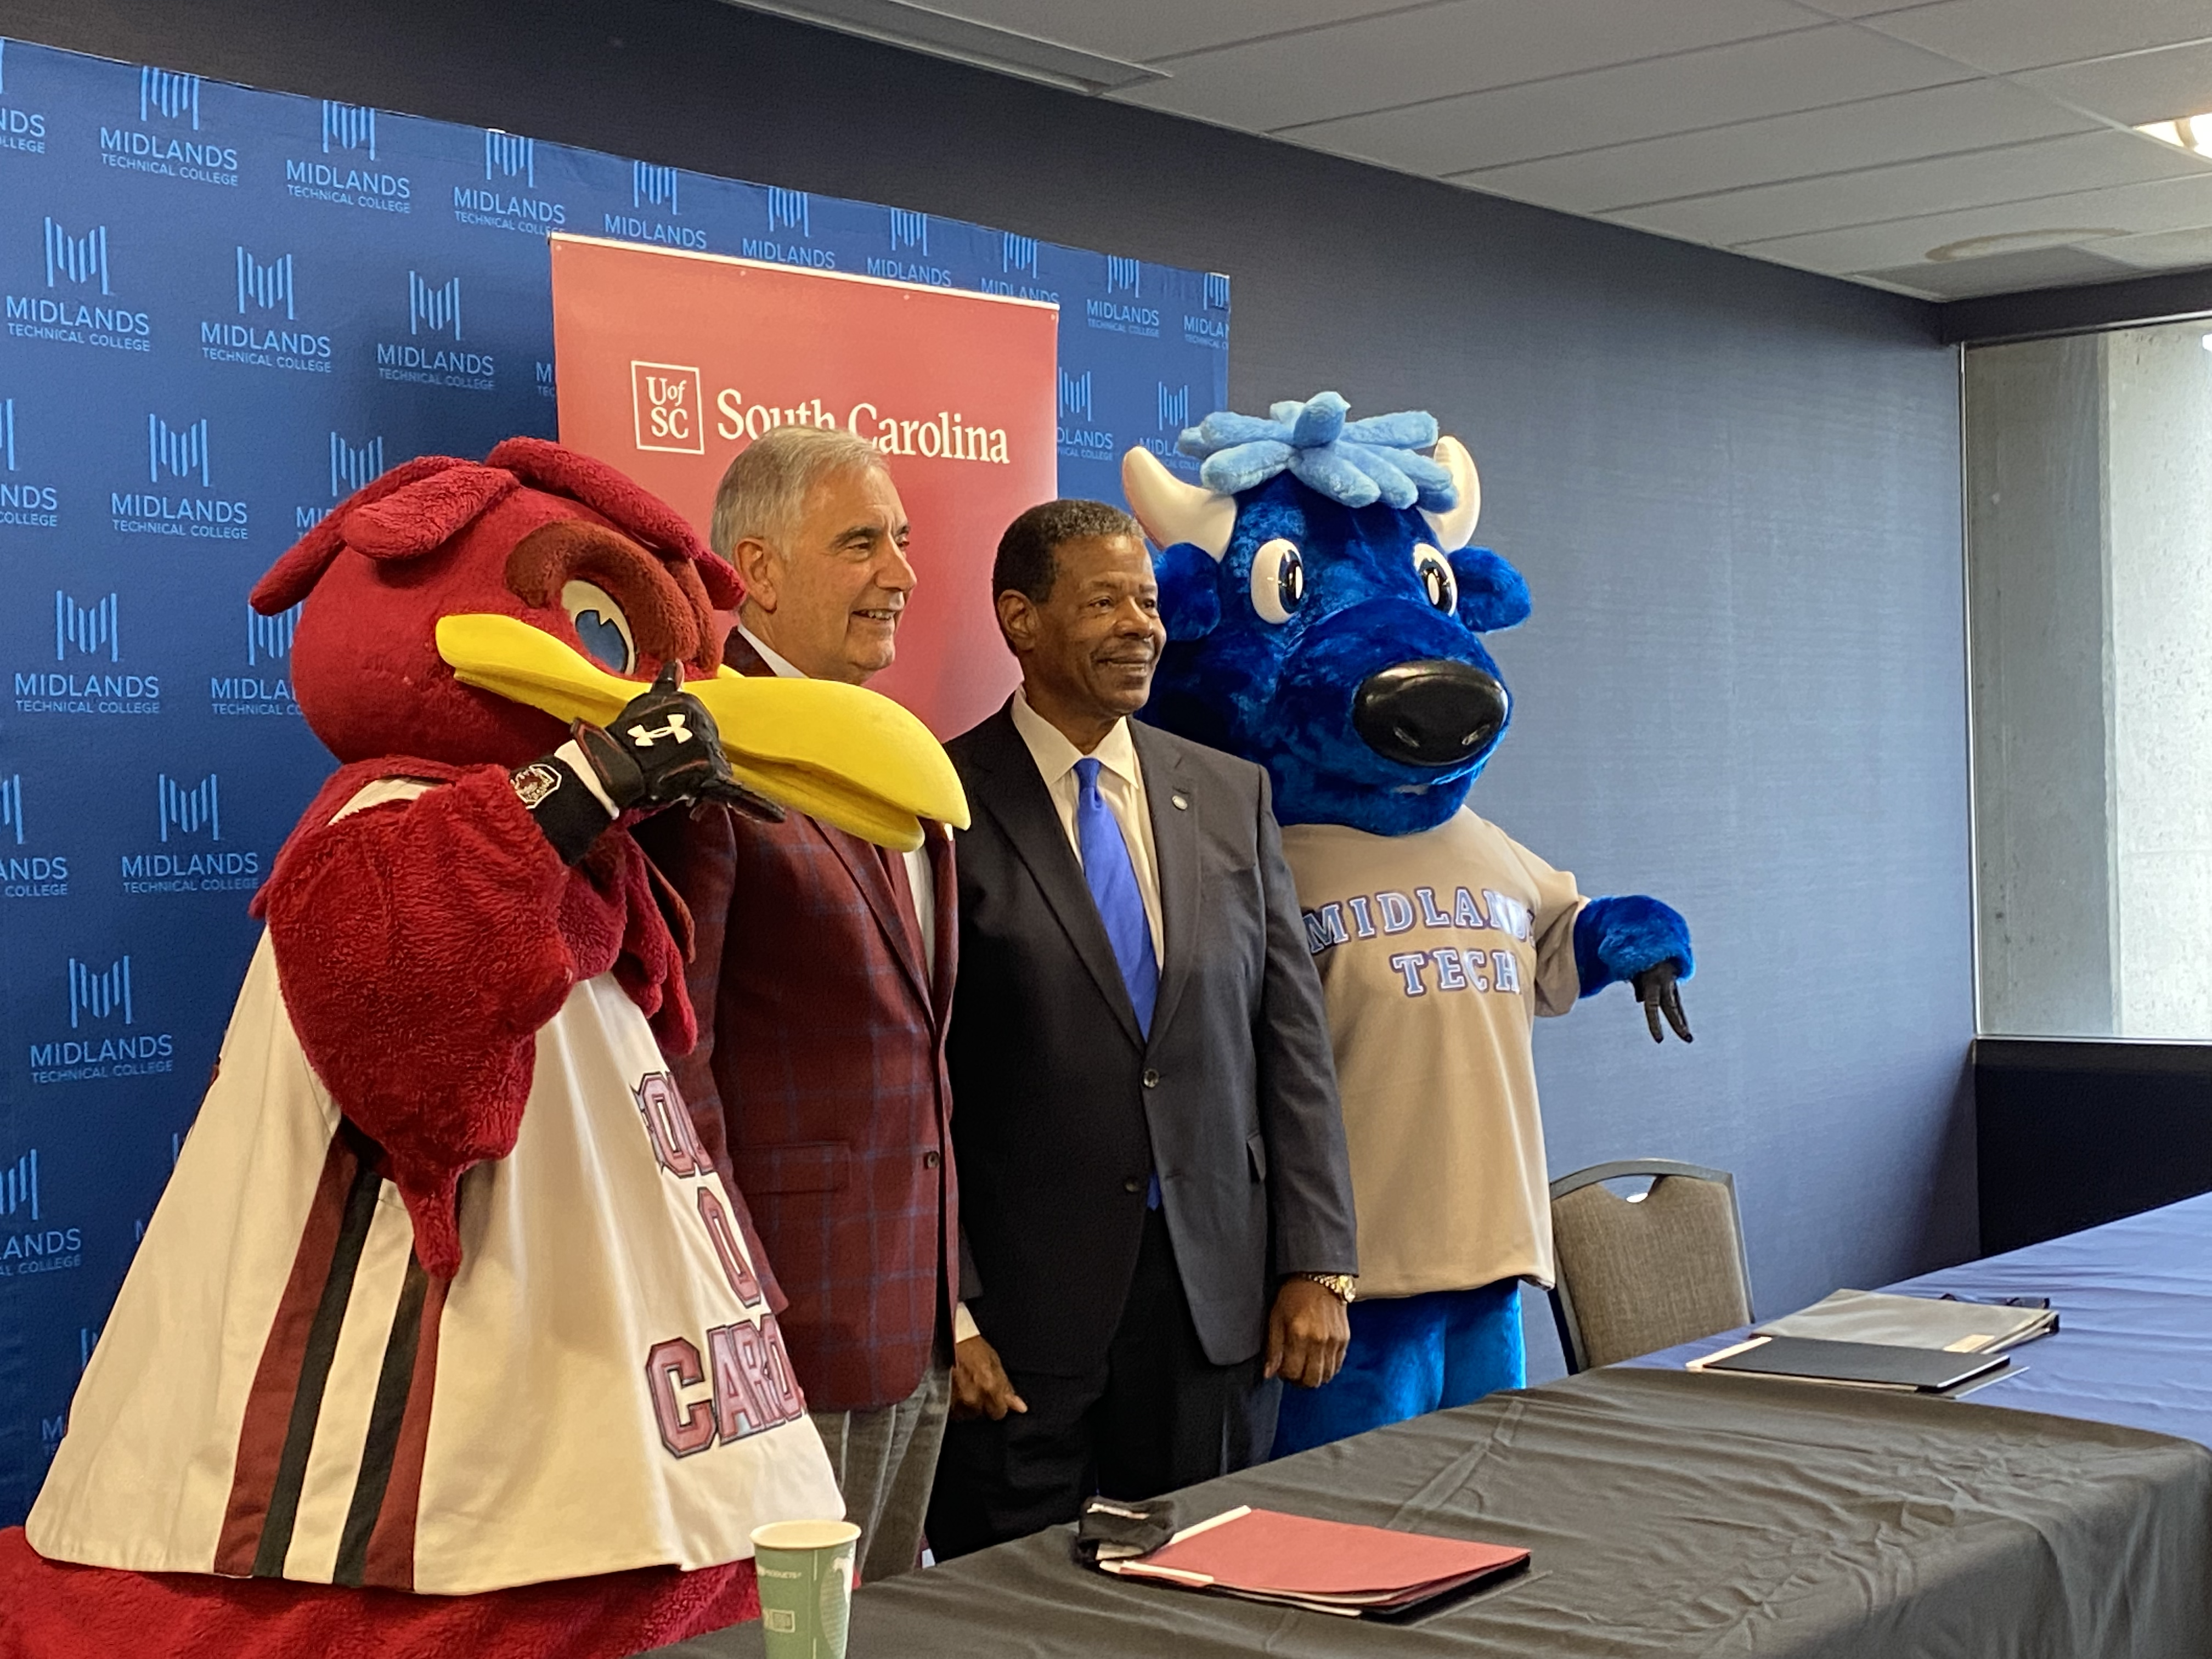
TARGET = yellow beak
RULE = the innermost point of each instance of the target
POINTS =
(840, 753)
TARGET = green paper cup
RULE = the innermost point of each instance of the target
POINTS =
(805, 1571)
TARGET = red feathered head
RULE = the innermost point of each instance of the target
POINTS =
(552, 538)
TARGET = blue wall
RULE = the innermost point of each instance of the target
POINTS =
(1734, 488)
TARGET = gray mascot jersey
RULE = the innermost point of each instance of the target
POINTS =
(1437, 951)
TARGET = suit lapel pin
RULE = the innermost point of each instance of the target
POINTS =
(1181, 802)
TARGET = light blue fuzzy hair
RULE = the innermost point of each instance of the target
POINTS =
(1355, 462)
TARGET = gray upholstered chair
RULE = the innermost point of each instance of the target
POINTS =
(1641, 1274)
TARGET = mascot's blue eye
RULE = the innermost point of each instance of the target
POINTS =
(1279, 581)
(600, 625)
(1436, 581)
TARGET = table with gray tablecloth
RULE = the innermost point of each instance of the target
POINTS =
(1667, 1513)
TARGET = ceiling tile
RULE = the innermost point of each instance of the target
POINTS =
(2147, 86)
(2002, 273)
(1835, 63)
(1437, 51)
(2161, 250)
(1971, 115)
(2001, 35)
(1141, 30)
(1860, 8)
(2047, 166)
(2081, 216)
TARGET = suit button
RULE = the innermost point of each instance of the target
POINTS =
(929, 1160)
(1151, 1078)
(1133, 1185)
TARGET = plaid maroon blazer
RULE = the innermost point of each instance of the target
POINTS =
(818, 1084)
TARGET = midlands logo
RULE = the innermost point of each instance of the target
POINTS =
(177, 459)
(654, 211)
(261, 333)
(1121, 310)
(23, 504)
(78, 305)
(1209, 325)
(267, 687)
(433, 316)
(1081, 438)
(20, 128)
(24, 873)
(790, 214)
(106, 1037)
(30, 1242)
(1018, 263)
(345, 172)
(909, 259)
(89, 645)
(352, 465)
(167, 141)
(188, 856)
(667, 403)
(507, 199)
(1173, 416)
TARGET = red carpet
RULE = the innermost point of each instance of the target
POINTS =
(51, 1610)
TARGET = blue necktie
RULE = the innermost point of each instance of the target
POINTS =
(1113, 883)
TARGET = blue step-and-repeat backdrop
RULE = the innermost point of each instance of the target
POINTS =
(225, 310)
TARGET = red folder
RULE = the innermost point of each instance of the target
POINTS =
(1330, 1566)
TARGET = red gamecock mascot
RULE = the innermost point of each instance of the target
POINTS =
(446, 1338)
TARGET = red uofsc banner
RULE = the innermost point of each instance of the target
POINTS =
(669, 363)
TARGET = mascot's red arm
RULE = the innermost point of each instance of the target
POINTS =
(421, 947)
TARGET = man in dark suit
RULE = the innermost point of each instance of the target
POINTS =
(822, 976)
(1158, 1199)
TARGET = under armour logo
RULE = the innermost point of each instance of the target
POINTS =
(678, 729)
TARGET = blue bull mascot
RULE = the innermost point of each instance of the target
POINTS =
(1326, 618)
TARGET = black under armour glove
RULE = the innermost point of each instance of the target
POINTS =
(661, 749)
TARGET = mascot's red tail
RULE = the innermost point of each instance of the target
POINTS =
(51, 1610)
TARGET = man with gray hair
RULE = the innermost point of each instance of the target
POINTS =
(822, 977)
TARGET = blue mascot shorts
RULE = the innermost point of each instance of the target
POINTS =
(1411, 1354)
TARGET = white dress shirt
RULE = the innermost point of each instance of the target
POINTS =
(1120, 782)
(917, 862)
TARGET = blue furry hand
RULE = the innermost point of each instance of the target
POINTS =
(1643, 941)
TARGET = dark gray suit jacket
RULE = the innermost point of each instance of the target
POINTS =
(1061, 1109)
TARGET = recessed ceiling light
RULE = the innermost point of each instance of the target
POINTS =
(2019, 242)
(2189, 132)
(2206, 342)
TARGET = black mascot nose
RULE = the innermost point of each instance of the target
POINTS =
(1433, 713)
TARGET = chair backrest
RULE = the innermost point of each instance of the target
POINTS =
(1636, 1275)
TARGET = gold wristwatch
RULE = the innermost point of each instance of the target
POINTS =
(1345, 1287)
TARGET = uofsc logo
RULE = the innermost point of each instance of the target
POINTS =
(23, 504)
(105, 1038)
(434, 315)
(89, 645)
(497, 204)
(31, 1242)
(166, 142)
(188, 856)
(177, 458)
(20, 128)
(345, 172)
(261, 334)
(667, 405)
(79, 304)
(24, 873)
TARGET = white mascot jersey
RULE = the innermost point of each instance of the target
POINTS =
(281, 1392)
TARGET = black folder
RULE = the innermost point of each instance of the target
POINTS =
(1870, 1365)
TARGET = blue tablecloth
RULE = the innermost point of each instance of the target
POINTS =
(2134, 1343)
